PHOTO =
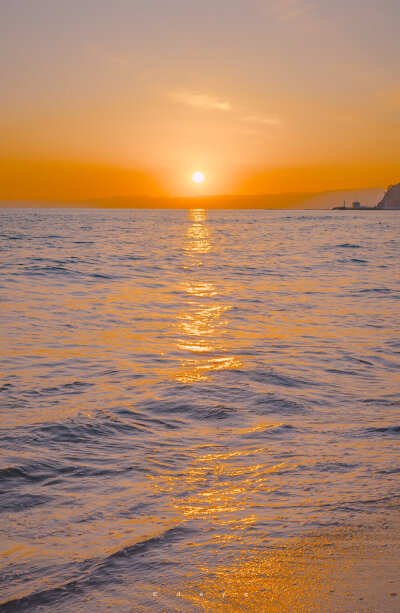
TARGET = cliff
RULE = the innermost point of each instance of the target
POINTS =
(391, 200)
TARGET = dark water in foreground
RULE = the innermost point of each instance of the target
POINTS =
(183, 390)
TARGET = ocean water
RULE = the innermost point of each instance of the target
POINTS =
(185, 390)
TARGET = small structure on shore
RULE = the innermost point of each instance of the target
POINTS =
(391, 199)
(357, 206)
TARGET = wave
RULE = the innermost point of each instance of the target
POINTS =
(271, 403)
(379, 290)
(271, 376)
(94, 572)
(384, 430)
(354, 261)
(11, 502)
(105, 429)
(381, 401)
(40, 471)
(348, 246)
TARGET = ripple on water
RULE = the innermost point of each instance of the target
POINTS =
(181, 392)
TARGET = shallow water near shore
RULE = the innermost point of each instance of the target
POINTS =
(184, 393)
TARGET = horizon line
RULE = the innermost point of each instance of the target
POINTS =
(89, 199)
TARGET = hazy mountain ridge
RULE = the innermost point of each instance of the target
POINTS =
(290, 200)
(391, 199)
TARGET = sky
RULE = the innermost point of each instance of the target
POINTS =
(103, 98)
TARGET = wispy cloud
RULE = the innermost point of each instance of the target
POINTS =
(193, 98)
(290, 9)
(196, 99)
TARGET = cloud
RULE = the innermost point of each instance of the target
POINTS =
(195, 99)
(290, 9)
(268, 121)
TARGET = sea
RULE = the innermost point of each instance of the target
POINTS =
(185, 391)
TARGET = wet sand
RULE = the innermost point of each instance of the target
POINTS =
(347, 569)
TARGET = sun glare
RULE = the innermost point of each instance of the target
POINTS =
(198, 177)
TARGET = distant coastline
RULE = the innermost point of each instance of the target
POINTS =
(359, 208)
(324, 200)
(389, 202)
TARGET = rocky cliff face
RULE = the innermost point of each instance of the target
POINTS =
(391, 200)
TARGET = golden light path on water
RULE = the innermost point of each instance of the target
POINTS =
(203, 325)
(218, 486)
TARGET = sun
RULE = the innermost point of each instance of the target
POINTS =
(198, 177)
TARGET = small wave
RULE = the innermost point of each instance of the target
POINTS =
(6, 387)
(155, 541)
(389, 471)
(354, 261)
(13, 503)
(381, 401)
(191, 410)
(334, 467)
(48, 269)
(32, 472)
(49, 236)
(105, 429)
(268, 375)
(74, 387)
(62, 270)
(272, 430)
(378, 290)
(270, 403)
(92, 573)
(348, 246)
(78, 432)
(145, 421)
(384, 430)
(42, 597)
(46, 472)
(338, 371)
(358, 360)
(219, 412)
(133, 257)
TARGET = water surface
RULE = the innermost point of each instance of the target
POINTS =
(183, 392)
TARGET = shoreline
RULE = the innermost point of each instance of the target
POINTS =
(352, 568)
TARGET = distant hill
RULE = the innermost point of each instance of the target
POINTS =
(329, 199)
(391, 199)
(290, 200)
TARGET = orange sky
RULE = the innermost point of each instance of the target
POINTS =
(262, 96)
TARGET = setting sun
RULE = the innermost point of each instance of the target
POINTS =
(198, 246)
(198, 177)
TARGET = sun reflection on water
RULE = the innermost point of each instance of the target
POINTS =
(197, 234)
(203, 323)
